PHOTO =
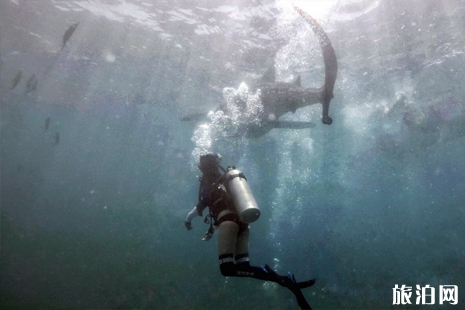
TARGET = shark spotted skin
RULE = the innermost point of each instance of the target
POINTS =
(278, 98)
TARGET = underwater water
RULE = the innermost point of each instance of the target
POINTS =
(98, 171)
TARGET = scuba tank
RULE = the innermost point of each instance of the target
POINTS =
(244, 202)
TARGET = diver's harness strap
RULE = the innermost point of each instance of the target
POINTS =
(232, 176)
(209, 220)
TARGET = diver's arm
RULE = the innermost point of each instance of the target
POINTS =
(194, 212)
(197, 211)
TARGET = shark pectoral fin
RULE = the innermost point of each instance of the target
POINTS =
(254, 132)
(293, 125)
(192, 117)
(269, 76)
(258, 131)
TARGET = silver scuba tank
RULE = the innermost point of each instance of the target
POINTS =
(246, 206)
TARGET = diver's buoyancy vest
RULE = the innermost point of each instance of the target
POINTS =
(220, 200)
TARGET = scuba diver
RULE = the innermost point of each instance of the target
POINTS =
(231, 209)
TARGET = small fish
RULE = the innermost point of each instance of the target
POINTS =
(68, 33)
(57, 138)
(31, 84)
(47, 124)
(30, 81)
(20, 168)
(16, 79)
(34, 85)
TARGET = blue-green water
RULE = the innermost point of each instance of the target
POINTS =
(95, 220)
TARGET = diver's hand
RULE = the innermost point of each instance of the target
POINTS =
(188, 225)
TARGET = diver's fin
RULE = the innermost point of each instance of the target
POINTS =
(301, 301)
(305, 284)
(294, 286)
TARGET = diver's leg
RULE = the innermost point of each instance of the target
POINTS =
(226, 246)
(243, 267)
(227, 237)
(229, 242)
(242, 245)
(243, 264)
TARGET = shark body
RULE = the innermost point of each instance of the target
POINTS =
(279, 98)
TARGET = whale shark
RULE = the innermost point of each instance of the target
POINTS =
(279, 98)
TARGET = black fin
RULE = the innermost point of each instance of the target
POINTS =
(269, 76)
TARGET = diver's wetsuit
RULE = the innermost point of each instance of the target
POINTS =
(222, 210)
